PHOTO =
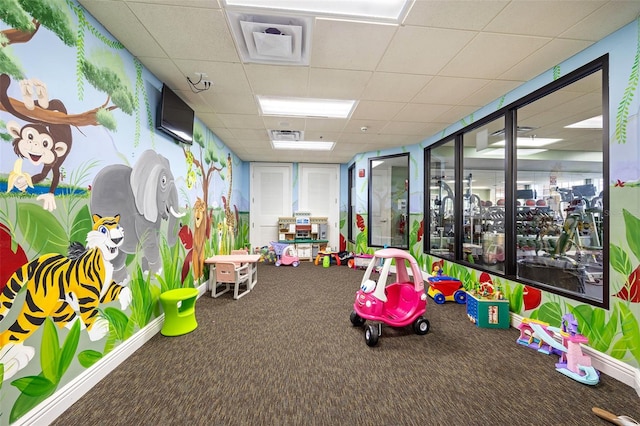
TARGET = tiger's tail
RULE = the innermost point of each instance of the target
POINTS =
(11, 289)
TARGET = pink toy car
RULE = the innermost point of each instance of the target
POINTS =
(398, 304)
(286, 254)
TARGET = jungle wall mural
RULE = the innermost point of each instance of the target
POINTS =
(615, 331)
(99, 213)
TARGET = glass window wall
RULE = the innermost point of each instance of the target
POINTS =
(532, 186)
(483, 190)
(560, 187)
(441, 196)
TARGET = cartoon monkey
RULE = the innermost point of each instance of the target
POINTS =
(41, 143)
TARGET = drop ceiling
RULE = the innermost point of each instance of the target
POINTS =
(448, 59)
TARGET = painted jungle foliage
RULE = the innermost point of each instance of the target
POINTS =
(615, 331)
(99, 213)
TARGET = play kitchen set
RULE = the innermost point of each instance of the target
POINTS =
(307, 234)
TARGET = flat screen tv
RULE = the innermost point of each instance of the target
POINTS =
(526, 194)
(175, 117)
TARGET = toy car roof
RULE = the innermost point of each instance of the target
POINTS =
(402, 274)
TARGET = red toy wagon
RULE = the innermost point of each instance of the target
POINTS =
(443, 288)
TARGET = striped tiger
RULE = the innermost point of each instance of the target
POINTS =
(64, 288)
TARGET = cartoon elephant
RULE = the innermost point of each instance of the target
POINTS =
(143, 195)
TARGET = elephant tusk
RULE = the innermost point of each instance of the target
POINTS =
(176, 214)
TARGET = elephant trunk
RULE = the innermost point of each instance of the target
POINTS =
(172, 232)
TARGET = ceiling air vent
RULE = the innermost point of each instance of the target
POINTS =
(286, 135)
(271, 39)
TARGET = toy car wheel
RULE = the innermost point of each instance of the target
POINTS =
(356, 319)
(296, 263)
(421, 326)
(460, 296)
(371, 335)
(439, 298)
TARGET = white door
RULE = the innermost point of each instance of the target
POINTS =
(270, 189)
(319, 194)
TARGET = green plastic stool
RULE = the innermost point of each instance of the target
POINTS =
(179, 307)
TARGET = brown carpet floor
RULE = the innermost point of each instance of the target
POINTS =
(287, 354)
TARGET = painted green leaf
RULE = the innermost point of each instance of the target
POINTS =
(81, 225)
(41, 229)
(619, 349)
(129, 329)
(88, 358)
(550, 313)
(619, 260)
(25, 402)
(117, 319)
(515, 299)
(630, 330)
(34, 385)
(610, 329)
(69, 347)
(591, 323)
(632, 225)
(50, 352)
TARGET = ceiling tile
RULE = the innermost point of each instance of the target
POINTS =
(396, 87)
(127, 28)
(535, 64)
(166, 71)
(449, 90)
(225, 77)
(284, 123)
(457, 113)
(541, 18)
(349, 45)
(403, 128)
(249, 134)
(423, 50)
(327, 83)
(375, 110)
(278, 80)
(239, 121)
(224, 103)
(211, 119)
(325, 124)
(489, 93)
(372, 126)
(489, 54)
(613, 15)
(213, 38)
(422, 113)
(461, 15)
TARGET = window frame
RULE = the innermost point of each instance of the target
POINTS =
(371, 160)
(509, 112)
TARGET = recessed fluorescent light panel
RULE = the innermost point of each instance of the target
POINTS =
(529, 142)
(306, 107)
(500, 153)
(379, 10)
(303, 145)
(589, 123)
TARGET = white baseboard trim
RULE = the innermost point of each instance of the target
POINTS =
(48, 410)
(604, 363)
